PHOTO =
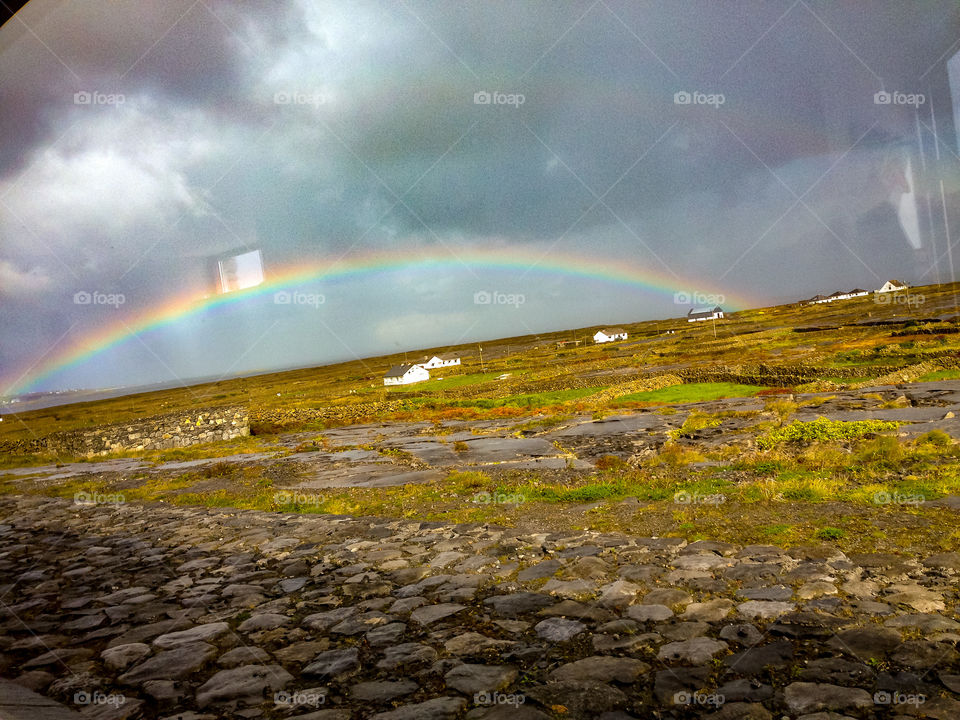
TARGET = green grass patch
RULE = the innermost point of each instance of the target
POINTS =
(554, 397)
(940, 375)
(692, 392)
(446, 383)
(821, 430)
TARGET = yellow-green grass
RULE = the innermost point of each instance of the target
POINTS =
(940, 375)
(792, 507)
(445, 383)
(692, 392)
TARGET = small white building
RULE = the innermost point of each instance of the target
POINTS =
(405, 375)
(705, 314)
(892, 286)
(441, 361)
(609, 335)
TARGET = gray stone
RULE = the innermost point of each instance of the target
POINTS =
(601, 668)
(754, 659)
(264, 621)
(198, 633)
(333, 663)
(667, 596)
(582, 699)
(406, 654)
(543, 569)
(649, 613)
(442, 708)
(710, 611)
(245, 655)
(470, 679)
(764, 609)
(803, 697)
(383, 690)
(697, 651)
(472, 644)
(123, 656)
(431, 613)
(866, 643)
(742, 634)
(558, 629)
(175, 664)
(518, 603)
(243, 685)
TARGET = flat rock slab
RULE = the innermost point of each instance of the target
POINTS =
(559, 629)
(601, 668)
(383, 690)
(199, 633)
(443, 708)
(19, 703)
(333, 663)
(802, 697)
(471, 679)
(518, 603)
(764, 609)
(696, 651)
(428, 614)
(176, 664)
(245, 685)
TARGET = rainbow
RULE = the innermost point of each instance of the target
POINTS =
(363, 265)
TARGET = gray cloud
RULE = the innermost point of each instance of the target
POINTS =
(380, 145)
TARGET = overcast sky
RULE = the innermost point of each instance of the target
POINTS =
(731, 147)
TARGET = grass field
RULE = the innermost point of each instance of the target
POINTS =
(445, 383)
(692, 392)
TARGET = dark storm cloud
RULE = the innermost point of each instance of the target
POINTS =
(376, 142)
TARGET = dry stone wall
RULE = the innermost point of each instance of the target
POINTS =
(160, 432)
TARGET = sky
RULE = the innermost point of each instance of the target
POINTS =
(206, 188)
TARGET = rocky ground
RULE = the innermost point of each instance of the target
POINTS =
(398, 453)
(127, 611)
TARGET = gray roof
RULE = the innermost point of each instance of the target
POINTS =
(398, 370)
(612, 331)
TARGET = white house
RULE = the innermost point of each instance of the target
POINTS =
(440, 361)
(609, 335)
(838, 295)
(892, 286)
(705, 314)
(405, 375)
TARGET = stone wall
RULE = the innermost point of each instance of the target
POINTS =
(160, 432)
